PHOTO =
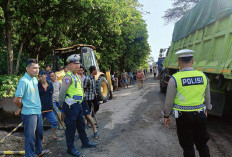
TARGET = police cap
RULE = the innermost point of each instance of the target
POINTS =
(75, 58)
(185, 53)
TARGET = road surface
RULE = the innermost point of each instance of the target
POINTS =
(131, 125)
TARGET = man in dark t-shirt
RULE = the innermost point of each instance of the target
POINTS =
(45, 92)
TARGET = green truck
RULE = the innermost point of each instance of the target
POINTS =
(206, 29)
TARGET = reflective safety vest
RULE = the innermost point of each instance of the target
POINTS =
(191, 86)
(75, 90)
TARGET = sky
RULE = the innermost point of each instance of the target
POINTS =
(160, 35)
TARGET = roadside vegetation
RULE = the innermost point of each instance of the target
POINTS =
(36, 28)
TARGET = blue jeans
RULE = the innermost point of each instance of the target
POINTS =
(57, 107)
(33, 132)
(51, 117)
(74, 120)
(124, 81)
(132, 80)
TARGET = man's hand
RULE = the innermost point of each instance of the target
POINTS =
(18, 112)
(167, 122)
(18, 102)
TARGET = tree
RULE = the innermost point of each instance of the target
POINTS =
(180, 7)
(6, 7)
(114, 27)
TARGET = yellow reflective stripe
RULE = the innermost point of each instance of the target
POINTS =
(210, 70)
(225, 71)
(190, 108)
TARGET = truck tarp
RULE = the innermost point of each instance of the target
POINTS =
(204, 13)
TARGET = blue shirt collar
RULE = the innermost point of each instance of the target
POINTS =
(28, 76)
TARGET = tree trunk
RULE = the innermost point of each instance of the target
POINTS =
(9, 38)
(19, 58)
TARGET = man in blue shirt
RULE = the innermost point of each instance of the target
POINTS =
(28, 100)
(131, 78)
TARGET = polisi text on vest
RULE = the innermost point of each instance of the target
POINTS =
(192, 81)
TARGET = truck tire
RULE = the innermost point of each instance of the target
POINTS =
(163, 86)
(103, 89)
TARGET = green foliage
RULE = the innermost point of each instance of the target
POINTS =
(180, 7)
(114, 27)
(8, 85)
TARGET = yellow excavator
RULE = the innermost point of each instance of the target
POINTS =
(88, 58)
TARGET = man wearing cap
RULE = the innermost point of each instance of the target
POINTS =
(71, 96)
(188, 95)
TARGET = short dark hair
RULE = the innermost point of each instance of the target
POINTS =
(82, 67)
(48, 65)
(51, 72)
(42, 72)
(30, 61)
(92, 68)
(186, 59)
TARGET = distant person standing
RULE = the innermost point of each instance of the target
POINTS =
(113, 80)
(27, 98)
(150, 70)
(144, 72)
(155, 71)
(116, 81)
(140, 77)
(131, 78)
(124, 78)
(48, 70)
(135, 75)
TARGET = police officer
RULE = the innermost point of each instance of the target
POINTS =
(188, 95)
(71, 96)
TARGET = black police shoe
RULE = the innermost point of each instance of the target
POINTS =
(74, 152)
(89, 145)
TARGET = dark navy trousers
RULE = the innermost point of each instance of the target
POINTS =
(74, 120)
(192, 129)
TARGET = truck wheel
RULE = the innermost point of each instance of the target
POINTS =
(163, 87)
(103, 89)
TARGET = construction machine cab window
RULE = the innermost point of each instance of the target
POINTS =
(86, 53)
(88, 58)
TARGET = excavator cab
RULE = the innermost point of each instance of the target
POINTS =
(87, 58)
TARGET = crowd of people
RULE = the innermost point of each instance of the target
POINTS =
(47, 98)
(76, 98)
(72, 101)
(124, 79)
